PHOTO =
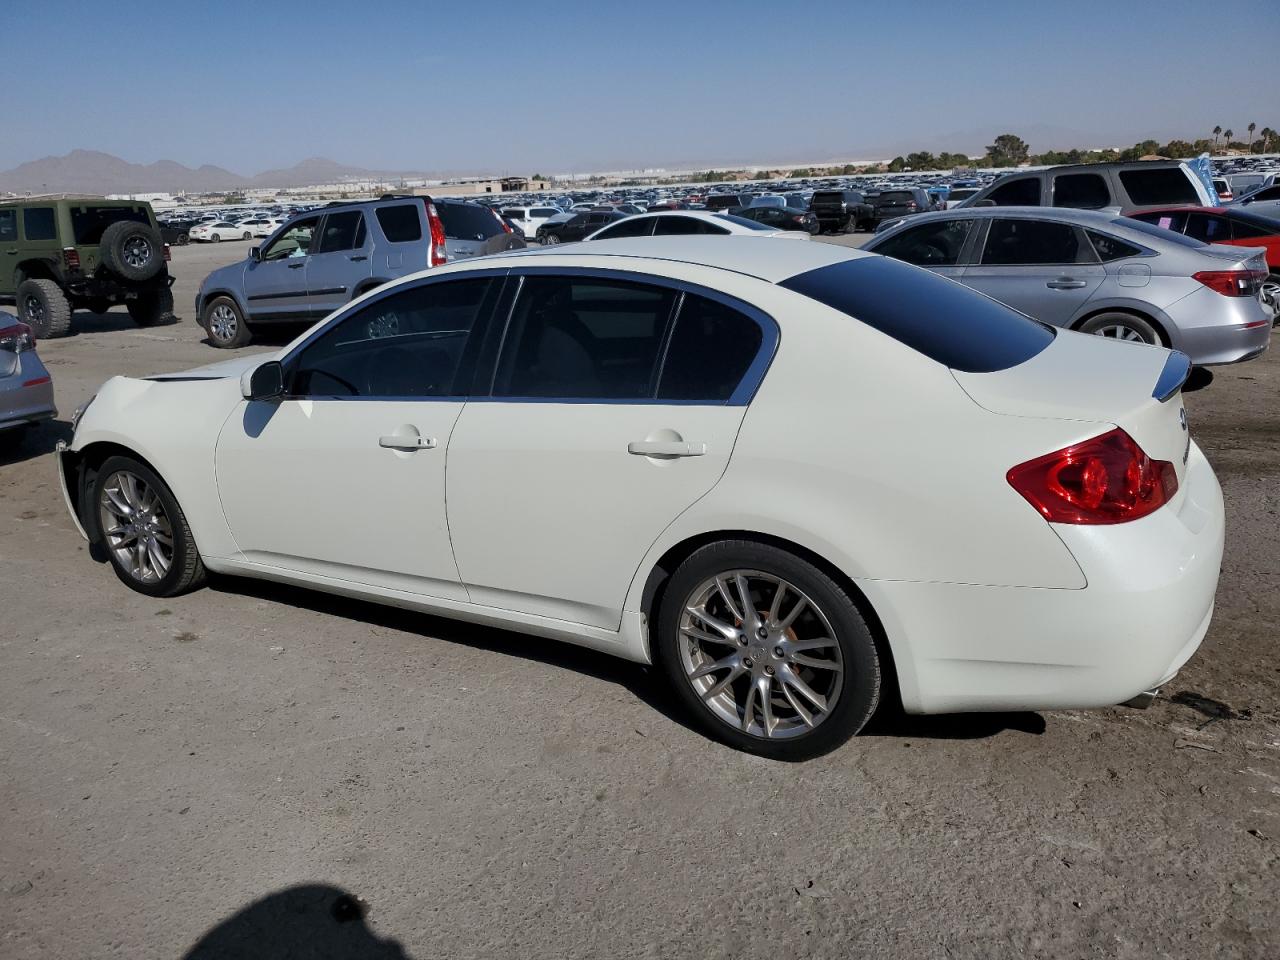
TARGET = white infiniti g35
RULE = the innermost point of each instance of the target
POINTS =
(799, 478)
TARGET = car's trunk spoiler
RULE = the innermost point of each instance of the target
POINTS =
(1176, 370)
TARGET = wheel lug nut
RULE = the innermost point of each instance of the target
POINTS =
(762, 633)
(769, 671)
(777, 652)
(746, 662)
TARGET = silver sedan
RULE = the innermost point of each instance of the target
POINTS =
(26, 390)
(1098, 273)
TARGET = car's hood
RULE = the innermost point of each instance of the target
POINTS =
(223, 369)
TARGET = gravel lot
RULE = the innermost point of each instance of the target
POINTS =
(236, 758)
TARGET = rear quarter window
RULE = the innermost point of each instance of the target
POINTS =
(401, 223)
(1147, 188)
(947, 322)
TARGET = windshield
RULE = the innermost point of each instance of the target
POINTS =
(742, 222)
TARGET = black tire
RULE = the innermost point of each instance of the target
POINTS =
(131, 250)
(44, 308)
(225, 331)
(182, 239)
(215, 238)
(859, 690)
(248, 235)
(1104, 323)
(186, 570)
(152, 307)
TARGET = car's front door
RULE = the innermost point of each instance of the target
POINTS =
(615, 405)
(341, 259)
(1045, 268)
(344, 478)
(275, 284)
(939, 245)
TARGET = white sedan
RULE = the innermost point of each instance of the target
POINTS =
(682, 223)
(799, 478)
(216, 231)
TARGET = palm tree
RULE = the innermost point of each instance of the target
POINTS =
(1227, 135)
(1252, 127)
(1217, 132)
(1267, 133)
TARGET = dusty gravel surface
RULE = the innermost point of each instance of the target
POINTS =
(226, 764)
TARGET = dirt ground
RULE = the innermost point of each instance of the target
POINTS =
(251, 766)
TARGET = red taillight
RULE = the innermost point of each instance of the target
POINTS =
(439, 256)
(167, 255)
(71, 258)
(1108, 479)
(502, 222)
(1231, 283)
(17, 337)
(911, 205)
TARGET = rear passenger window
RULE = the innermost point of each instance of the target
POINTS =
(1019, 192)
(581, 338)
(936, 244)
(1208, 228)
(1082, 191)
(631, 227)
(711, 349)
(38, 224)
(1109, 248)
(1147, 188)
(1029, 242)
(342, 231)
(401, 223)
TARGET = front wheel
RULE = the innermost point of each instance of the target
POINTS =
(215, 237)
(44, 308)
(767, 652)
(225, 324)
(144, 531)
(549, 239)
(1121, 326)
(1271, 292)
(247, 236)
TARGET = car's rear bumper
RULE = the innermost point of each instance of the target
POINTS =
(1146, 608)
(1212, 329)
(26, 394)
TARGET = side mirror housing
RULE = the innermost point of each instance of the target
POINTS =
(263, 382)
(985, 203)
(255, 254)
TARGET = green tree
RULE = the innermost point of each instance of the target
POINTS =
(1267, 136)
(1009, 150)
(1217, 132)
(897, 164)
(1252, 127)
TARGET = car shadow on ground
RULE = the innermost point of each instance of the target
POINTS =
(646, 683)
(111, 322)
(28, 443)
(310, 920)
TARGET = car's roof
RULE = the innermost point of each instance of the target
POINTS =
(1062, 214)
(753, 256)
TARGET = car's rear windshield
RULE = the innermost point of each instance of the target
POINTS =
(947, 322)
(87, 223)
(1160, 233)
(897, 196)
(467, 221)
(742, 222)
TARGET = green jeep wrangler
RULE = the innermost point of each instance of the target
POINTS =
(59, 254)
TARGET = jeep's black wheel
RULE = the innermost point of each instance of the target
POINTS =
(44, 308)
(132, 250)
(224, 323)
(153, 307)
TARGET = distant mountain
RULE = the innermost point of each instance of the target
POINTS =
(90, 171)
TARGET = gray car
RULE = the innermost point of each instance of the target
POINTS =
(1097, 186)
(26, 390)
(1264, 201)
(1098, 273)
(323, 259)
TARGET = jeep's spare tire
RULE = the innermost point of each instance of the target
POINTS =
(132, 250)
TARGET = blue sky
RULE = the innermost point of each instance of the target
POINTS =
(564, 87)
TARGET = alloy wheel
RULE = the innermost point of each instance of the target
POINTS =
(137, 252)
(33, 311)
(1120, 331)
(760, 654)
(223, 322)
(136, 527)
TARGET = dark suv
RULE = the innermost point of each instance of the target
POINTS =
(62, 254)
(577, 227)
(897, 203)
(839, 210)
(325, 258)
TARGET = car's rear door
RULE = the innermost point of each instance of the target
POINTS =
(1045, 268)
(340, 260)
(615, 405)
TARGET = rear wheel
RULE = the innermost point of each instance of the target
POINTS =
(1121, 326)
(152, 308)
(44, 308)
(1271, 292)
(247, 236)
(767, 652)
(144, 531)
(215, 237)
(224, 324)
(548, 239)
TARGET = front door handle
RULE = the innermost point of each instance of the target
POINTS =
(296, 266)
(666, 448)
(1066, 283)
(361, 257)
(401, 442)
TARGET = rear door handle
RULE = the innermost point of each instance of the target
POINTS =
(1066, 283)
(666, 448)
(358, 258)
(398, 442)
(296, 266)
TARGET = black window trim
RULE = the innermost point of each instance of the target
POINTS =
(742, 395)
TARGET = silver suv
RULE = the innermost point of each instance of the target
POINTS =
(325, 258)
(1095, 186)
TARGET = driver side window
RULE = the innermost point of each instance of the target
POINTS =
(936, 244)
(412, 343)
(294, 242)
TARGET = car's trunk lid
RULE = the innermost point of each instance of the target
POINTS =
(1089, 378)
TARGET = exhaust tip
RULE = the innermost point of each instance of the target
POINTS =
(1142, 700)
